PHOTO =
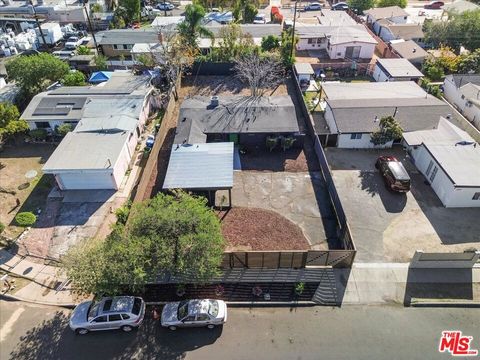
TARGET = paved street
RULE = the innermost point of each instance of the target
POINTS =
(370, 332)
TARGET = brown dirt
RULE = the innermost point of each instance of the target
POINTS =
(258, 229)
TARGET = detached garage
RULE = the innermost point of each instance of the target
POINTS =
(96, 160)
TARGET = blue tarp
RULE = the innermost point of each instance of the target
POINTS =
(100, 76)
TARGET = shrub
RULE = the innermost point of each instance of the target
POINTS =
(25, 219)
(2, 227)
(63, 129)
(123, 212)
(38, 134)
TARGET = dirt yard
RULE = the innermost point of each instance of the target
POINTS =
(30, 193)
(259, 229)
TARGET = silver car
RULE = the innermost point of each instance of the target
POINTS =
(194, 313)
(121, 312)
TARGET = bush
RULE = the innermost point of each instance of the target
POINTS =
(123, 212)
(25, 219)
(38, 134)
(64, 129)
(2, 227)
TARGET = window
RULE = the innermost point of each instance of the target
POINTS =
(203, 317)
(42, 124)
(476, 196)
(107, 305)
(100, 319)
(434, 172)
(310, 41)
(125, 316)
(190, 318)
(114, 317)
(116, 47)
(429, 168)
(355, 136)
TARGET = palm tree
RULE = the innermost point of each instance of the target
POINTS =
(191, 28)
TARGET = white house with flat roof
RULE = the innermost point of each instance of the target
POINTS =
(463, 91)
(395, 70)
(450, 161)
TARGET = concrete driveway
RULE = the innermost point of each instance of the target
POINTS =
(300, 197)
(389, 227)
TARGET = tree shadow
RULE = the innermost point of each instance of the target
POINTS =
(25, 150)
(53, 339)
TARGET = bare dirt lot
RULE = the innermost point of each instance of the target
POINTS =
(389, 227)
(30, 192)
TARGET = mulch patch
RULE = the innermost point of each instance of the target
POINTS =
(259, 229)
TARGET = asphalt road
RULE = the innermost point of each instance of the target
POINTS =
(371, 332)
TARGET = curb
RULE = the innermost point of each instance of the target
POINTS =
(9, 297)
(444, 303)
(257, 304)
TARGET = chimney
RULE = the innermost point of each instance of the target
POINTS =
(214, 101)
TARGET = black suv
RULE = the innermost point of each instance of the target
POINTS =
(395, 176)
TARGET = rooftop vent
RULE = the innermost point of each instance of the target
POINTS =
(214, 101)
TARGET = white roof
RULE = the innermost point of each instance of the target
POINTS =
(446, 133)
(142, 48)
(399, 68)
(200, 166)
(304, 68)
(373, 90)
(161, 21)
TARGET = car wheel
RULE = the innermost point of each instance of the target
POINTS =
(81, 331)
(173, 328)
(211, 326)
(127, 328)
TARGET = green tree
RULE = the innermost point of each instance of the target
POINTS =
(460, 30)
(168, 235)
(64, 129)
(361, 5)
(288, 59)
(433, 71)
(132, 10)
(270, 42)
(387, 3)
(250, 12)
(191, 28)
(146, 60)
(83, 50)
(389, 130)
(10, 124)
(74, 78)
(101, 62)
(96, 8)
(469, 63)
(234, 44)
(35, 72)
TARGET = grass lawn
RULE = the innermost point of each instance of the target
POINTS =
(30, 193)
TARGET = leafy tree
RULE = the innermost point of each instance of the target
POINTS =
(234, 43)
(433, 71)
(250, 12)
(145, 60)
(132, 10)
(460, 30)
(361, 5)
(74, 78)
(387, 3)
(96, 8)
(64, 129)
(286, 48)
(469, 63)
(389, 130)
(35, 72)
(101, 62)
(10, 124)
(168, 235)
(83, 50)
(270, 42)
(191, 28)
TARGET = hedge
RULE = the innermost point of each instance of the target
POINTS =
(25, 219)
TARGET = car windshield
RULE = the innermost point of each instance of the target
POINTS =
(259, 17)
(182, 310)
(213, 308)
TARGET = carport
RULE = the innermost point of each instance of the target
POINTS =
(201, 168)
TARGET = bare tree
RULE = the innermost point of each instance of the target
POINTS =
(261, 74)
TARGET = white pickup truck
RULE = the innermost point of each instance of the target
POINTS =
(74, 41)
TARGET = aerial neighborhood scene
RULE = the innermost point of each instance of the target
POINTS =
(239, 179)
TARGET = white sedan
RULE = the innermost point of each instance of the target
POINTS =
(194, 313)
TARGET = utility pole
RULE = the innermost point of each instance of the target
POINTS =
(90, 26)
(164, 8)
(293, 30)
(38, 23)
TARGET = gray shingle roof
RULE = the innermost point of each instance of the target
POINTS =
(409, 50)
(127, 36)
(386, 12)
(462, 79)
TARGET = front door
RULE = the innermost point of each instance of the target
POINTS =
(353, 52)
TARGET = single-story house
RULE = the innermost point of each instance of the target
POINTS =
(346, 42)
(450, 161)
(97, 153)
(82, 62)
(114, 43)
(166, 22)
(409, 50)
(153, 50)
(396, 70)
(353, 110)
(304, 72)
(463, 91)
(389, 31)
(393, 14)
(458, 7)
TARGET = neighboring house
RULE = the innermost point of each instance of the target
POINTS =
(389, 31)
(458, 7)
(463, 91)
(346, 42)
(121, 41)
(450, 161)
(83, 63)
(395, 70)
(304, 72)
(8, 91)
(152, 50)
(353, 110)
(97, 153)
(162, 23)
(393, 14)
(409, 50)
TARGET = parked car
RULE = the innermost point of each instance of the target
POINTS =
(342, 6)
(315, 6)
(434, 5)
(194, 313)
(121, 312)
(260, 19)
(395, 176)
(150, 141)
(165, 6)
